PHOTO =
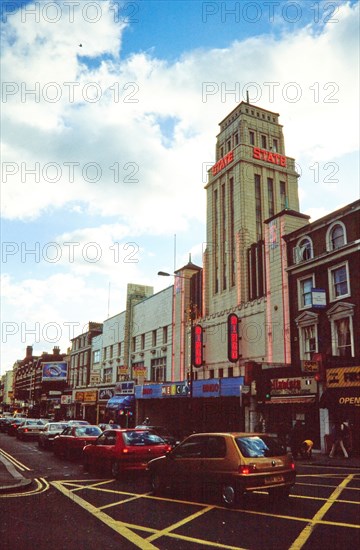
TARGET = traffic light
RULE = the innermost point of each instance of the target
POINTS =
(263, 389)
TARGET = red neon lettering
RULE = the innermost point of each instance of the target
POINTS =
(220, 164)
(274, 158)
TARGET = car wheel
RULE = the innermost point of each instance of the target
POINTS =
(228, 494)
(157, 484)
(115, 469)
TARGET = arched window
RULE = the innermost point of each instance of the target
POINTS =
(336, 236)
(303, 250)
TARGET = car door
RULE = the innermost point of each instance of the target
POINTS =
(185, 462)
(102, 452)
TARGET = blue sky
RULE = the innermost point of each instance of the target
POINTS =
(121, 130)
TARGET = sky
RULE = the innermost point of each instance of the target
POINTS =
(109, 116)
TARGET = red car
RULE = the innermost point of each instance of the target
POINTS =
(70, 443)
(117, 451)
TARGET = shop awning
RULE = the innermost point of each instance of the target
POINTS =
(334, 397)
(291, 400)
(121, 402)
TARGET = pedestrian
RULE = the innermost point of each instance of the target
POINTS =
(146, 422)
(306, 448)
(296, 438)
(339, 432)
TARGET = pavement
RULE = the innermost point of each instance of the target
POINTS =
(11, 479)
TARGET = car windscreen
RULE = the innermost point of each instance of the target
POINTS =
(142, 438)
(259, 446)
(57, 427)
(86, 431)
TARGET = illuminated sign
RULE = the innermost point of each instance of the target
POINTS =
(198, 345)
(53, 372)
(269, 156)
(233, 337)
(220, 164)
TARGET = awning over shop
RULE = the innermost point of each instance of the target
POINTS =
(121, 402)
(334, 397)
(291, 400)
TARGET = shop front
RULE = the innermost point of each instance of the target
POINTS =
(212, 405)
(85, 405)
(342, 399)
(121, 406)
(292, 399)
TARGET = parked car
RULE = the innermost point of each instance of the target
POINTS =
(69, 444)
(232, 464)
(47, 435)
(4, 422)
(30, 428)
(11, 427)
(162, 432)
(118, 451)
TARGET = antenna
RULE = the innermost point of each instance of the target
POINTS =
(108, 315)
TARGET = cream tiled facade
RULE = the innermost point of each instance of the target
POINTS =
(251, 181)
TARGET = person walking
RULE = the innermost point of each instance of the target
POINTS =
(296, 438)
(339, 434)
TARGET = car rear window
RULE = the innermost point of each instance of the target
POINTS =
(142, 438)
(87, 431)
(259, 446)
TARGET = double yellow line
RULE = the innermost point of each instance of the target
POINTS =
(15, 462)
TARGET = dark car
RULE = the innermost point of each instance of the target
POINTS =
(4, 422)
(118, 451)
(30, 428)
(11, 427)
(47, 435)
(70, 443)
(232, 464)
(162, 432)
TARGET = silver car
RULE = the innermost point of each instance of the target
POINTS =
(47, 435)
(30, 428)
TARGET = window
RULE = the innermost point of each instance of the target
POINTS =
(165, 335)
(154, 337)
(252, 137)
(142, 345)
(342, 337)
(308, 341)
(104, 357)
(236, 139)
(263, 142)
(304, 292)
(275, 145)
(336, 236)
(339, 282)
(133, 343)
(158, 369)
(303, 251)
(228, 145)
(107, 375)
(119, 349)
(111, 351)
(270, 184)
(283, 195)
(258, 211)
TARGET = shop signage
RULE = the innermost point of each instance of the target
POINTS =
(268, 156)
(233, 337)
(65, 399)
(173, 390)
(310, 366)
(318, 297)
(293, 386)
(220, 164)
(345, 377)
(122, 369)
(86, 396)
(106, 394)
(125, 388)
